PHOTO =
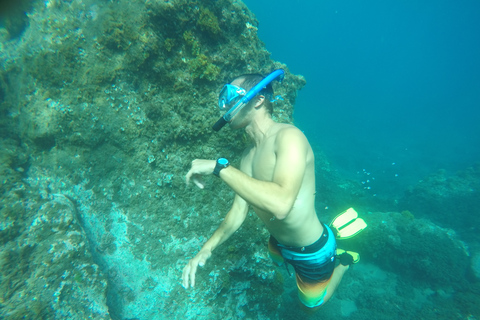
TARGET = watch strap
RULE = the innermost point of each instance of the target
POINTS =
(222, 163)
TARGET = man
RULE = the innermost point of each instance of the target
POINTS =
(277, 179)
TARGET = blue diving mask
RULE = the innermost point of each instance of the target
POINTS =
(229, 96)
(232, 98)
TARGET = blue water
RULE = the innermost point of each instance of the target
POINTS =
(393, 87)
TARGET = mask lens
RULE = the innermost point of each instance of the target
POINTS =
(229, 95)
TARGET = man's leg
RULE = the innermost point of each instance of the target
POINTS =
(314, 295)
(335, 281)
(274, 252)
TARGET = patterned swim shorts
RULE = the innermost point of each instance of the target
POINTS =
(313, 264)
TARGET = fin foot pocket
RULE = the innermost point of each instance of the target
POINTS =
(347, 258)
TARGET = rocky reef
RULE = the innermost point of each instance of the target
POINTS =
(451, 199)
(103, 106)
(410, 268)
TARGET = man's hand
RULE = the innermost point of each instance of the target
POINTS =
(190, 269)
(200, 168)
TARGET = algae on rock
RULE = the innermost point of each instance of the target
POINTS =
(106, 104)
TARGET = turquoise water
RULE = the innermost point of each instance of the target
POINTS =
(392, 87)
(393, 100)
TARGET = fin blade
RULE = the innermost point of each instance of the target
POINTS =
(344, 218)
(352, 229)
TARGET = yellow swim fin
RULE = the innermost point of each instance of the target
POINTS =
(347, 224)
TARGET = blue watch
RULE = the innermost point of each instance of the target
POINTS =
(222, 163)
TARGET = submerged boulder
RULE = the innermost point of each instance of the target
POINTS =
(449, 199)
(46, 267)
(108, 103)
(416, 249)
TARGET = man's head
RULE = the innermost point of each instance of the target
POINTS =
(248, 81)
(247, 94)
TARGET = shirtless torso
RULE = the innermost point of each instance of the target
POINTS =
(301, 226)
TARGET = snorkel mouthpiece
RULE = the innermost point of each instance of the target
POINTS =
(227, 117)
(219, 124)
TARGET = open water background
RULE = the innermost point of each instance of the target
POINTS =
(393, 88)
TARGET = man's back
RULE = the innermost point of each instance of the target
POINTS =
(283, 146)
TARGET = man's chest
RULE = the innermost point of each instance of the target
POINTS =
(263, 162)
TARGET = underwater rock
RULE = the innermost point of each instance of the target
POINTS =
(110, 102)
(416, 249)
(476, 263)
(447, 199)
(347, 307)
(13, 17)
(47, 269)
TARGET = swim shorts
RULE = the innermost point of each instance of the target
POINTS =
(313, 264)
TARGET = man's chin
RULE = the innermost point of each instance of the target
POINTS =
(233, 125)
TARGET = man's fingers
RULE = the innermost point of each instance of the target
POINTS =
(198, 182)
(196, 179)
(188, 276)
(188, 177)
(193, 270)
(186, 271)
(197, 169)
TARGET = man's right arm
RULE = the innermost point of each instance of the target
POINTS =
(229, 225)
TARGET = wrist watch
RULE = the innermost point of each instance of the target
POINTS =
(222, 163)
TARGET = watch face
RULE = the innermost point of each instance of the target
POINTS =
(222, 161)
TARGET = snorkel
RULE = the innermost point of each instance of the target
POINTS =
(227, 117)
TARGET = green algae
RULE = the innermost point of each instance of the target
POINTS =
(192, 42)
(201, 68)
(169, 44)
(208, 22)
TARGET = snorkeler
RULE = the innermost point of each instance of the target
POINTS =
(277, 178)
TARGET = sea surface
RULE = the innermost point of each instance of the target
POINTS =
(393, 87)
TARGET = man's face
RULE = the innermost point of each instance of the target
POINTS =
(237, 121)
(237, 92)
(230, 96)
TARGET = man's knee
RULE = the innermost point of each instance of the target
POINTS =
(309, 310)
(309, 301)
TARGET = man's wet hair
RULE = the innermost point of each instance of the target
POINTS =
(248, 81)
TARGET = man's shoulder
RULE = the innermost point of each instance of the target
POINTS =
(291, 139)
(286, 131)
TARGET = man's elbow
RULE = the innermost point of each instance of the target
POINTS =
(282, 210)
(281, 215)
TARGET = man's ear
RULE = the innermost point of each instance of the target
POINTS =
(259, 101)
